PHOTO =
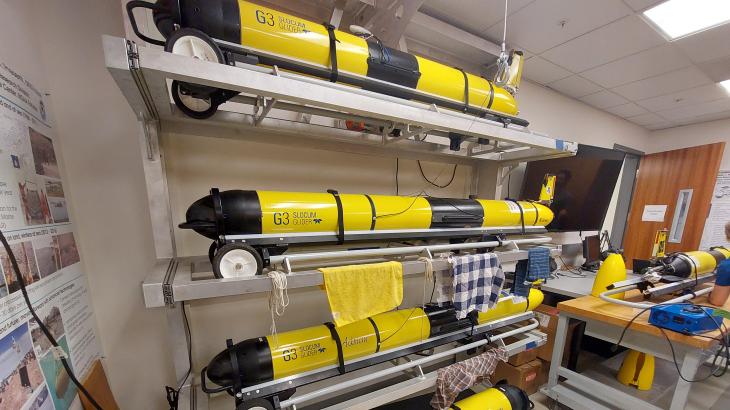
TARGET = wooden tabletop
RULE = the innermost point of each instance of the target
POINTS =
(593, 308)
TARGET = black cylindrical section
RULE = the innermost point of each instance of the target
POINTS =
(455, 213)
(518, 399)
(254, 364)
(679, 266)
(443, 320)
(219, 19)
(719, 256)
(241, 214)
(166, 15)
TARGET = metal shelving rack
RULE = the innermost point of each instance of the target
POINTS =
(286, 108)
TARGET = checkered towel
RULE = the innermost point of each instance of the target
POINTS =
(537, 266)
(478, 279)
(452, 380)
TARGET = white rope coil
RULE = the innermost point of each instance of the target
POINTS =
(278, 297)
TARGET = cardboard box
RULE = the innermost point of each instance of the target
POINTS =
(522, 357)
(548, 318)
(542, 377)
(525, 376)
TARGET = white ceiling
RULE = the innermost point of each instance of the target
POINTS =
(603, 53)
(600, 52)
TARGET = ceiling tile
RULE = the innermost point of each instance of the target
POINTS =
(704, 118)
(692, 111)
(641, 5)
(646, 119)
(685, 78)
(638, 66)
(538, 26)
(608, 43)
(698, 95)
(604, 99)
(574, 86)
(707, 45)
(717, 70)
(474, 16)
(627, 110)
(660, 125)
(542, 71)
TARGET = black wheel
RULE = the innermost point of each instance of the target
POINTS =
(211, 251)
(193, 104)
(255, 404)
(196, 101)
(237, 260)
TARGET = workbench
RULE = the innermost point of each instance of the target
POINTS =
(606, 321)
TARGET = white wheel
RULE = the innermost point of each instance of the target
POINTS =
(195, 47)
(195, 100)
(238, 262)
(235, 260)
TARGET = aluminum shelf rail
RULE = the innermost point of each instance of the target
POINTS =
(191, 278)
(142, 73)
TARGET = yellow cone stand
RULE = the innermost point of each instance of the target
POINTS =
(637, 370)
(612, 270)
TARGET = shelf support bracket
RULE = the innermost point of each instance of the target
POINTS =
(407, 133)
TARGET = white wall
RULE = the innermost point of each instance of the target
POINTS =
(98, 141)
(693, 135)
(97, 135)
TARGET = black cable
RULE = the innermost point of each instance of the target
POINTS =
(401, 326)
(509, 180)
(173, 394)
(41, 325)
(433, 290)
(397, 165)
(725, 344)
(403, 211)
(453, 175)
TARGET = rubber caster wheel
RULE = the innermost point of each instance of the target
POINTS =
(212, 250)
(255, 404)
(235, 260)
(196, 101)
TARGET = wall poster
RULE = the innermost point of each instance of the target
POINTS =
(714, 233)
(34, 218)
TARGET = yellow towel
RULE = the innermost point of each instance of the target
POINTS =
(357, 292)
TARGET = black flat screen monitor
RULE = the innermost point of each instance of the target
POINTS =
(592, 249)
(583, 187)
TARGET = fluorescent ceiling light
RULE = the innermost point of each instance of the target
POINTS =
(679, 18)
(726, 84)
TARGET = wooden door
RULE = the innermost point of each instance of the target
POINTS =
(660, 179)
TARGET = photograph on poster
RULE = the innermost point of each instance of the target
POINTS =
(43, 154)
(20, 374)
(63, 392)
(42, 401)
(54, 323)
(58, 210)
(54, 189)
(3, 287)
(33, 201)
(67, 249)
(46, 255)
(26, 262)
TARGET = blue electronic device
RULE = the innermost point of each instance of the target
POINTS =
(684, 318)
